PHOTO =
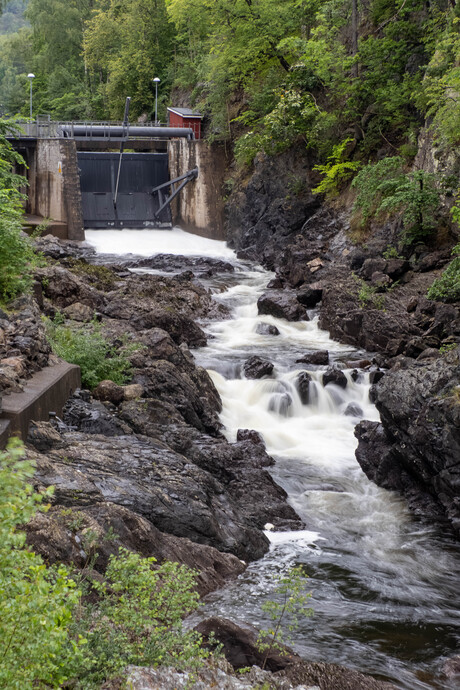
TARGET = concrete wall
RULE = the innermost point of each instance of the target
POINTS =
(55, 185)
(200, 205)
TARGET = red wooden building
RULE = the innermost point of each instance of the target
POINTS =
(185, 117)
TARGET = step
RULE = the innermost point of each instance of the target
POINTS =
(46, 391)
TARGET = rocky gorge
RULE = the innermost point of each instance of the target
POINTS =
(147, 466)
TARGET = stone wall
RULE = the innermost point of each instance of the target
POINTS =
(200, 205)
(55, 185)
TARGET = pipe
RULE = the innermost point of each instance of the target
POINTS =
(113, 131)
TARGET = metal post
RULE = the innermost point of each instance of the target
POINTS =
(124, 135)
(156, 82)
(30, 77)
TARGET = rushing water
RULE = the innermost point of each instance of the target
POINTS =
(384, 585)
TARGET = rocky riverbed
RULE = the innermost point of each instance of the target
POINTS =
(146, 465)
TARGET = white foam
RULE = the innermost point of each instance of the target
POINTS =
(150, 242)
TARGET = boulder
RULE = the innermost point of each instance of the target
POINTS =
(320, 357)
(149, 479)
(282, 304)
(309, 296)
(302, 383)
(267, 329)
(334, 375)
(72, 535)
(109, 391)
(250, 435)
(416, 448)
(239, 645)
(353, 410)
(256, 368)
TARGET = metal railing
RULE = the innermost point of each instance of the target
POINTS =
(53, 129)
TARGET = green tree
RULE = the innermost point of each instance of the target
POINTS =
(125, 46)
(35, 604)
(15, 250)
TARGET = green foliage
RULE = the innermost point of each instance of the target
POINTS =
(137, 620)
(15, 249)
(446, 288)
(285, 610)
(35, 603)
(391, 253)
(384, 189)
(88, 348)
(336, 171)
(49, 637)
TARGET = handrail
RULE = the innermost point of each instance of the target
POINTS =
(53, 129)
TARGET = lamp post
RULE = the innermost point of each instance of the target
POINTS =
(156, 81)
(31, 76)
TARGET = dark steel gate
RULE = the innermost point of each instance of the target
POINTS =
(135, 204)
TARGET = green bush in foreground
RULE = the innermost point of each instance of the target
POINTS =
(137, 620)
(15, 249)
(51, 637)
(446, 288)
(35, 603)
(87, 347)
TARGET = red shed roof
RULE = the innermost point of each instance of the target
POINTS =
(186, 112)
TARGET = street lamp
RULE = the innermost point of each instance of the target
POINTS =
(156, 81)
(31, 76)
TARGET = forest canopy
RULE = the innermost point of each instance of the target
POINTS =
(265, 74)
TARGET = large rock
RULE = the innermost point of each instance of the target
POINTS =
(239, 467)
(151, 480)
(419, 439)
(256, 368)
(74, 535)
(282, 304)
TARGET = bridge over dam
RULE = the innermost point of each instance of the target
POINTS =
(118, 175)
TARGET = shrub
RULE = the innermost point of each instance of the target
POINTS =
(384, 189)
(336, 171)
(15, 249)
(35, 603)
(88, 348)
(446, 288)
(137, 620)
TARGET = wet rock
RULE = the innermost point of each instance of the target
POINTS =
(359, 363)
(153, 481)
(64, 288)
(282, 305)
(256, 368)
(250, 435)
(376, 375)
(267, 329)
(70, 535)
(302, 383)
(109, 391)
(239, 645)
(239, 467)
(309, 296)
(353, 410)
(175, 263)
(320, 357)
(331, 677)
(92, 417)
(334, 375)
(419, 439)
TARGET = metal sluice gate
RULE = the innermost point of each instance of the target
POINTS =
(140, 199)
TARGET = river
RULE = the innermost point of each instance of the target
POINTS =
(384, 584)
